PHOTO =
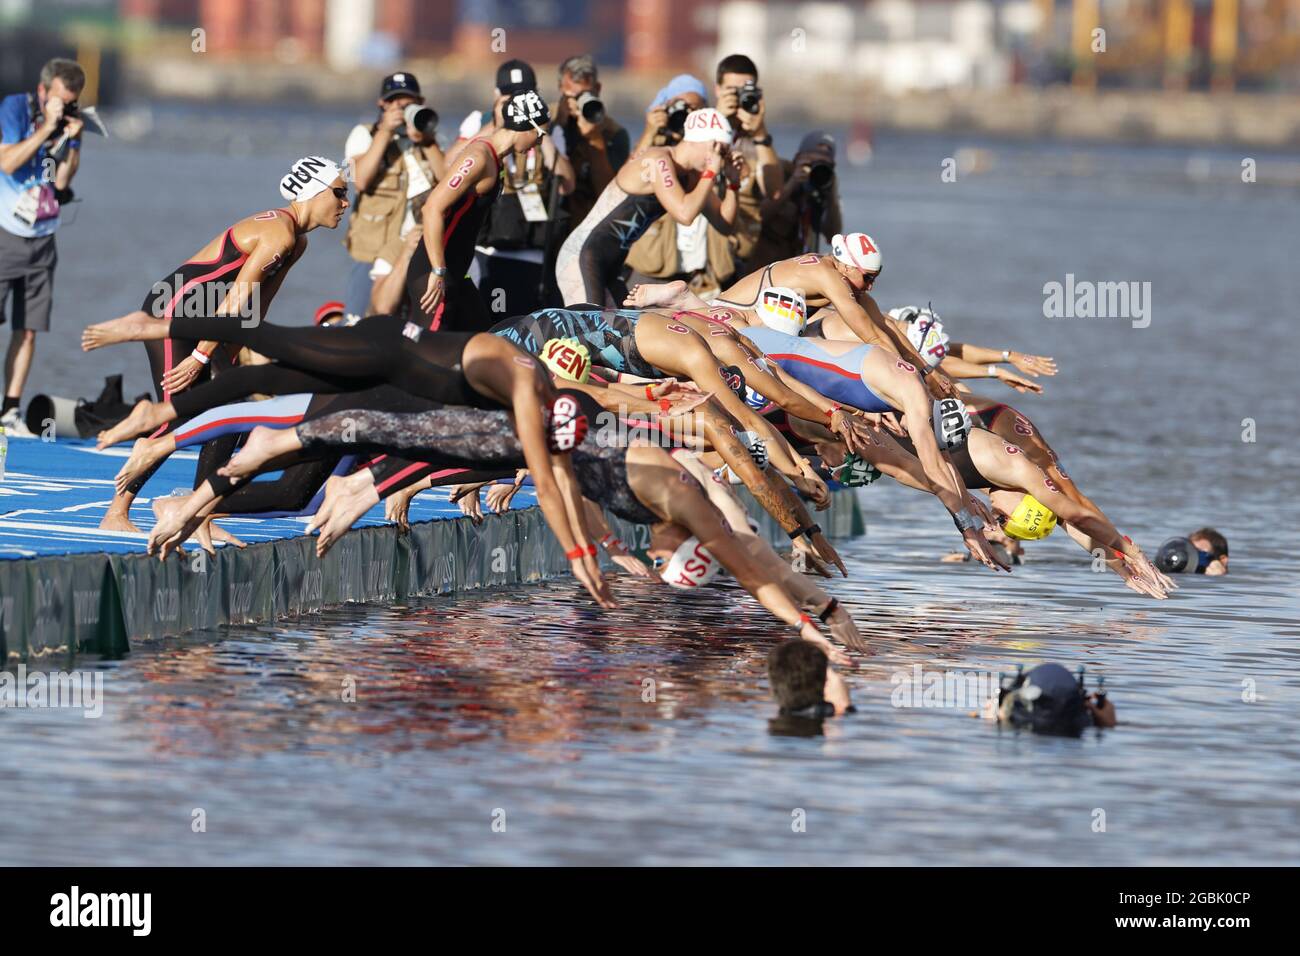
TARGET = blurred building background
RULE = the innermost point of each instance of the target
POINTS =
(855, 54)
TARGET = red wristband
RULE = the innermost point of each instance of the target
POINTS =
(665, 405)
(591, 551)
(649, 393)
(733, 186)
(708, 174)
(576, 553)
(835, 407)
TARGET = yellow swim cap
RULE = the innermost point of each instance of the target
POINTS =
(1030, 521)
(567, 358)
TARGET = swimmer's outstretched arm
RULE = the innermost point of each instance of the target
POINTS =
(806, 593)
(956, 368)
(652, 474)
(1034, 365)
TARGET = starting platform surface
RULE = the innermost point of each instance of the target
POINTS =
(55, 493)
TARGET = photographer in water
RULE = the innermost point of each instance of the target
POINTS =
(40, 151)
(395, 162)
(807, 208)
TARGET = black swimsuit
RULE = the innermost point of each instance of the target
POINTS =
(194, 288)
(960, 457)
(589, 263)
(461, 308)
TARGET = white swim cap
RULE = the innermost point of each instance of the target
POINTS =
(905, 313)
(706, 125)
(951, 422)
(309, 177)
(691, 565)
(782, 309)
(928, 337)
(858, 250)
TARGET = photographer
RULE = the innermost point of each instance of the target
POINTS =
(597, 146)
(395, 163)
(666, 117)
(40, 150)
(807, 206)
(740, 100)
(522, 230)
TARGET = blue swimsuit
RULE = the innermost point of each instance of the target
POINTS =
(609, 334)
(838, 377)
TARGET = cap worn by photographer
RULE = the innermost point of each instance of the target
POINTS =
(399, 84)
(308, 178)
(514, 76)
(817, 139)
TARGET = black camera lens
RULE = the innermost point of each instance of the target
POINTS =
(750, 97)
(677, 111)
(593, 110)
(821, 175)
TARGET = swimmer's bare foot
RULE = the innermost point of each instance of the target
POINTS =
(118, 517)
(133, 327)
(144, 454)
(648, 296)
(221, 534)
(397, 506)
(346, 500)
(144, 418)
(262, 445)
(175, 524)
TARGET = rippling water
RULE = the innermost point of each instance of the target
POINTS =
(527, 706)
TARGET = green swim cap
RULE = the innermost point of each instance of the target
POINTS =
(855, 472)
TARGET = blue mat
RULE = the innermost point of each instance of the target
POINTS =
(55, 493)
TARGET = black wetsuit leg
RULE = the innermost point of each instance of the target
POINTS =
(292, 492)
(381, 347)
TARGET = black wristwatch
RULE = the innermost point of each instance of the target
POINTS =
(765, 141)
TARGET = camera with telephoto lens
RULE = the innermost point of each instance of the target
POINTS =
(422, 118)
(70, 111)
(750, 96)
(677, 111)
(821, 176)
(593, 110)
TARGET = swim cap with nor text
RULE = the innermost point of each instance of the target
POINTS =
(782, 309)
(1030, 521)
(308, 178)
